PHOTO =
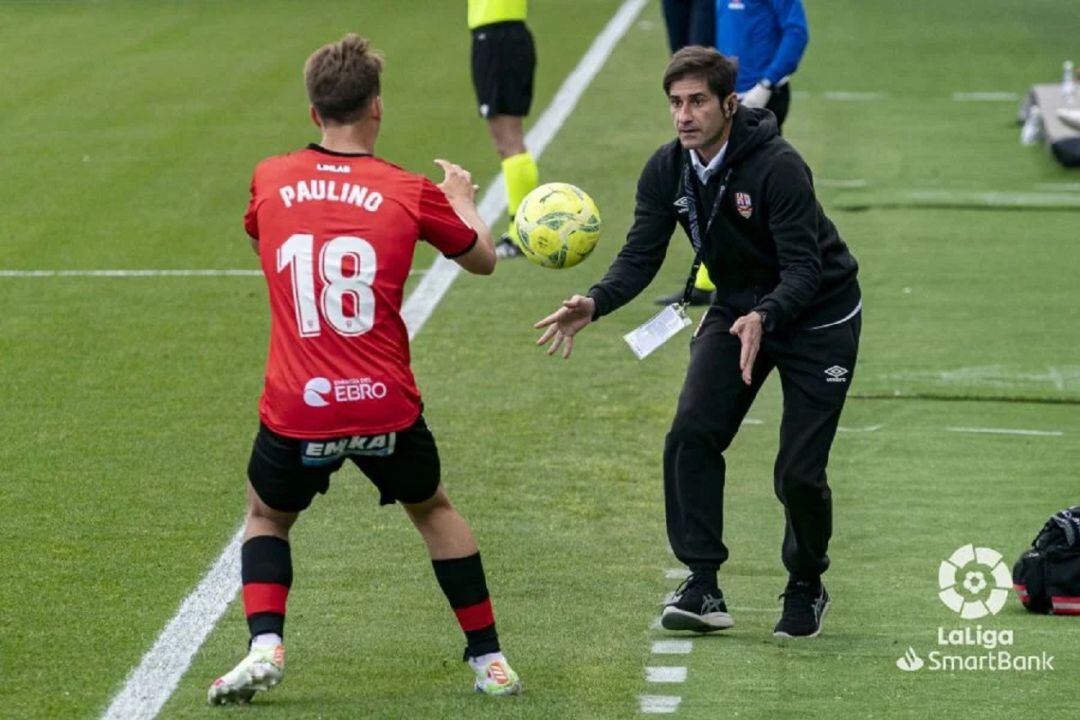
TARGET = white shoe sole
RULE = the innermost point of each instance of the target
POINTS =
(241, 693)
(820, 624)
(675, 619)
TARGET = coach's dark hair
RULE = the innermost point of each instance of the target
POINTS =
(342, 77)
(705, 62)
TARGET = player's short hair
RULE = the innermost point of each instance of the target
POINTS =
(704, 62)
(342, 77)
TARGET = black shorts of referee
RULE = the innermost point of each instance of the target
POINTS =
(503, 66)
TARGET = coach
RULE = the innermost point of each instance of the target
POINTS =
(787, 297)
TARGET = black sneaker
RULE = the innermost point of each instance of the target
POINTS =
(507, 248)
(698, 605)
(697, 298)
(805, 605)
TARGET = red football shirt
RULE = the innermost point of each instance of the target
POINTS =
(336, 239)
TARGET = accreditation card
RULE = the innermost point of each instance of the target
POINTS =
(663, 326)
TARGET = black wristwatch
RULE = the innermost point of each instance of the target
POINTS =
(764, 315)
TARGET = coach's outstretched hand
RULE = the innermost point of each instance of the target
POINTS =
(563, 324)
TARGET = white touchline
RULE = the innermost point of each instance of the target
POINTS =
(1007, 431)
(153, 681)
(672, 647)
(665, 674)
(676, 573)
(155, 678)
(420, 304)
(659, 704)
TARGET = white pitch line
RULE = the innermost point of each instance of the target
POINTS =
(847, 96)
(676, 574)
(996, 199)
(752, 421)
(420, 304)
(672, 647)
(665, 674)
(867, 429)
(849, 184)
(226, 272)
(985, 96)
(659, 704)
(153, 681)
(1059, 186)
(1006, 431)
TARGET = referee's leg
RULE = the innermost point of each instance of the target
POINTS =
(711, 407)
(816, 369)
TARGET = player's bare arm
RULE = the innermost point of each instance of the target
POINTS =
(563, 324)
(459, 190)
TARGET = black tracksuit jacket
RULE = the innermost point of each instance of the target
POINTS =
(770, 248)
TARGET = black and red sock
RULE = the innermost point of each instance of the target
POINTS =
(462, 581)
(266, 571)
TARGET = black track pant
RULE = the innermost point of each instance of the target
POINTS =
(816, 369)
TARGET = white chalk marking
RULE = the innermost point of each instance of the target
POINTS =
(867, 429)
(152, 682)
(985, 97)
(420, 304)
(851, 184)
(1059, 186)
(996, 199)
(1007, 431)
(676, 573)
(846, 96)
(672, 647)
(665, 674)
(659, 704)
(752, 421)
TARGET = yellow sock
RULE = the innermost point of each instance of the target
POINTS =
(703, 281)
(521, 175)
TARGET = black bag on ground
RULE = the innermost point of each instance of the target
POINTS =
(1047, 577)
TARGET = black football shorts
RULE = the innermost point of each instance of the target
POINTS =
(287, 472)
(503, 65)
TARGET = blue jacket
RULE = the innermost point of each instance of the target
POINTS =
(767, 36)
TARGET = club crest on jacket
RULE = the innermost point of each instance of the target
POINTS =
(744, 205)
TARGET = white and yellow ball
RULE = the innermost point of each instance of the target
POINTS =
(557, 225)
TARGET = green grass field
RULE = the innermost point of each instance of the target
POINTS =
(129, 403)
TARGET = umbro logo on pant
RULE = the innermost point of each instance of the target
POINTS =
(836, 374)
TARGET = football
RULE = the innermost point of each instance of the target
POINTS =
(558, 225)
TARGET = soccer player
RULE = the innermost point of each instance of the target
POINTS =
(787, 299)
(335, 228)
(503, 65)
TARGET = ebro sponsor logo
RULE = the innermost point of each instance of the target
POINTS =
(343, 391)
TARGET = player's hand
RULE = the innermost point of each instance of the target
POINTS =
(563, 324)
(757, 96)
(457, 183)
(749, 331)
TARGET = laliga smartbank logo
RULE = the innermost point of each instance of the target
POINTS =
(974, 583)
(965, 582)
